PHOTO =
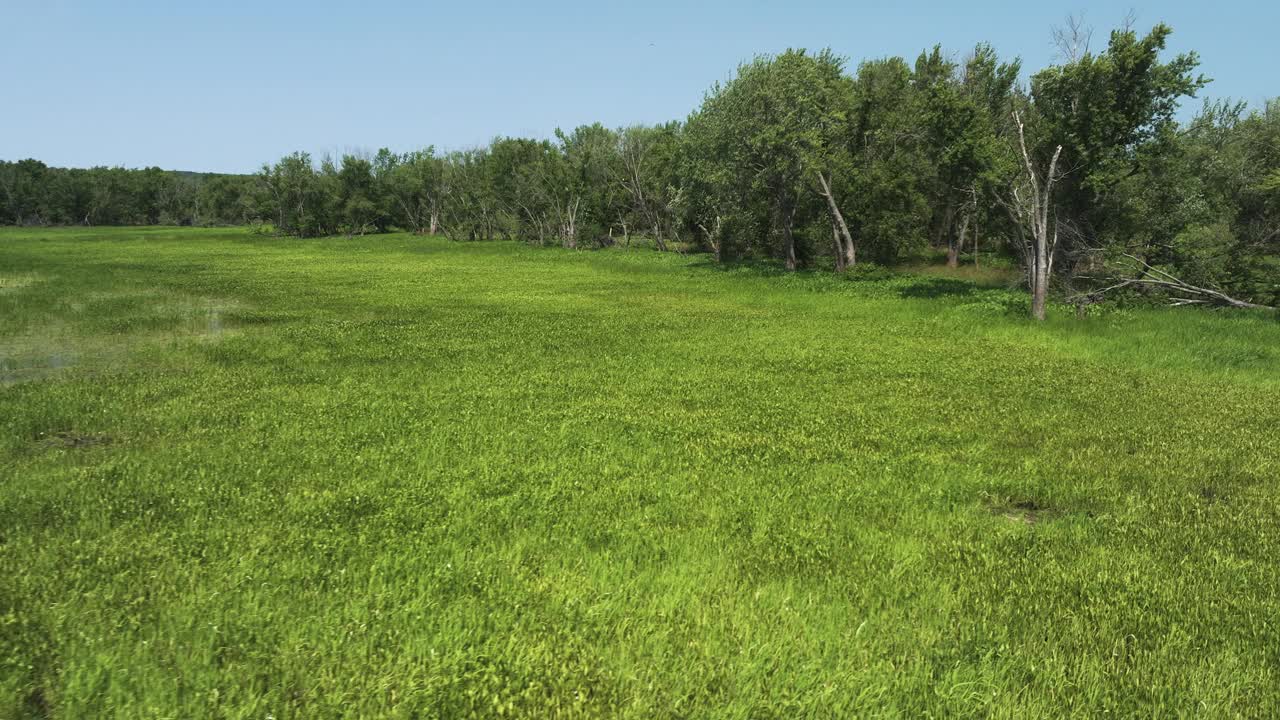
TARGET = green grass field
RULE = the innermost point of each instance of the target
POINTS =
(248, 477)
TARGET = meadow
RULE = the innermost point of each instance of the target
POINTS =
(396, 476)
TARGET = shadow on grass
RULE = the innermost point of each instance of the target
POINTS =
(907, 280)
(748, 266)
(768, 268)
(936, 287)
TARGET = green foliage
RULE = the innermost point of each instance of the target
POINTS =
(650, 158)
(1212, 211)
(412, 187)
(765, 137)
(589, 178)
(33, 194)
(890, 209)
(372, 477)
(891, 162)
(1201, 253)
(1111, 113)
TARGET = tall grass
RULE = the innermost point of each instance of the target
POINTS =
(404, 477)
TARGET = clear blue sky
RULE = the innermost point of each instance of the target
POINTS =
(226, 85)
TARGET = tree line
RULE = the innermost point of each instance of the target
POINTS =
(1083, 173)
(32, 193)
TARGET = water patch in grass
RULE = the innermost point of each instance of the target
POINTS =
(210, 321)
(97, 339)
(20, 368)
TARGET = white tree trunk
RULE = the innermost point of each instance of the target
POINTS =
(847, 248)
(1035, 210)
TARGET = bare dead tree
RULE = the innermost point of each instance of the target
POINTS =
(1130, 20)
(1031, 208)
(655, 208)
(568, 213)
(1182, 293)
(538, 220)
(1072, 38)
(634, 149)
(713, 235)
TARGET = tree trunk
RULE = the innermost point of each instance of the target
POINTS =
(713, 238)
(956, 243)
(976, 230)
(945, 230)
(848, 249)
(835, 237)
(657, 237)
(1043, 260)
(789, 238)
(1039, 292)
(1036, 211)
(570, 229)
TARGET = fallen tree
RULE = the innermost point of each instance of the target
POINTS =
(1182, 293)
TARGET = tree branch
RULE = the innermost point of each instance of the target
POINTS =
(1155, 277)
